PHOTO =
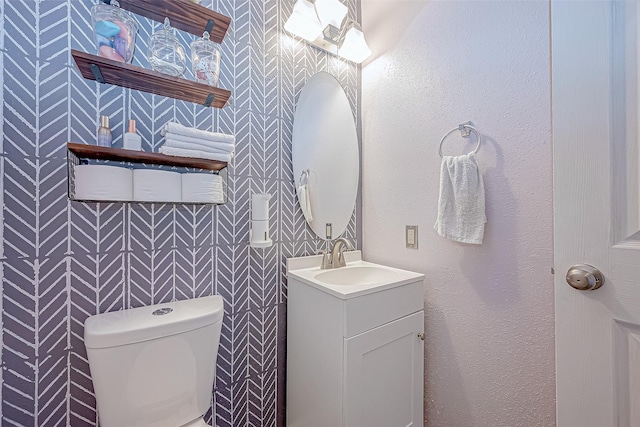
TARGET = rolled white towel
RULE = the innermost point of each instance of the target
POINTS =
(153, 185)
(176, 141)
(181, 152)
(178, 129)
(202, 188)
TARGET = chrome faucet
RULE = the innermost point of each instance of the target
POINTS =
(335, 258)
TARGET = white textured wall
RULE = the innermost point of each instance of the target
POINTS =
(489, 309)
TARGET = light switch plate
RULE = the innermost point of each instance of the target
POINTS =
(411, 236)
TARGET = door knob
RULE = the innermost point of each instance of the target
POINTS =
(584, 277)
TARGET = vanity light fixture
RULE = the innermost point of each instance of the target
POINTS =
(304, 21)
(324, 24)
(354, 47)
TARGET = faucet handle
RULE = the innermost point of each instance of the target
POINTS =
(326, 260)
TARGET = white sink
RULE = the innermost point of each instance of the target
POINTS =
(357, 278)
(356, 275)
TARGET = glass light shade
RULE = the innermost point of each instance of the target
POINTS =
(354, 47)
(331, 12)
(303, 22)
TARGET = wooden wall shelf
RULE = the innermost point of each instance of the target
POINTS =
(184, 15)
(86, 151)
(105, 70)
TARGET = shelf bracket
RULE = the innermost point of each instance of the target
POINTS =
(209, 100)
(96, 73)
(210, 24)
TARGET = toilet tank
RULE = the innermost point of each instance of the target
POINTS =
(154, 366)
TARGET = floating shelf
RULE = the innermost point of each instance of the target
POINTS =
(121, 155)
(184, 15)
(80, 154)
(105, 70)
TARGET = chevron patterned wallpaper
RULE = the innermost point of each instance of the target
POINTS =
(62, 261)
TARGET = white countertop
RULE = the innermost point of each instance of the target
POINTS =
(307, 269)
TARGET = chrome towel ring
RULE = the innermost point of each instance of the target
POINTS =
(465, 129)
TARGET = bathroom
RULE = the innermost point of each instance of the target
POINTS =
(492, 312)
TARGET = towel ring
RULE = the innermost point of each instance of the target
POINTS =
(462, 128)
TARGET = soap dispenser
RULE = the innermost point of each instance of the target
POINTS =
(259, 233)
(131, 139)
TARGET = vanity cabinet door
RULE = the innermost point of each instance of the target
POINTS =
(383, 377)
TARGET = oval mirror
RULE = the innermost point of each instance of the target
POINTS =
(326, 155)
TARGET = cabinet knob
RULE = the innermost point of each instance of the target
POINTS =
(421, 335)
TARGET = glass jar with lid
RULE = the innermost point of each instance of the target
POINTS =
(166, 54)
(114, 31)
(205, 60)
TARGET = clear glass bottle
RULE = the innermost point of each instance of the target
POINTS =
(104, 133)
(166, 54)
(205, 60)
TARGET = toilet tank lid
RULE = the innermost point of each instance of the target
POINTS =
(141, 324)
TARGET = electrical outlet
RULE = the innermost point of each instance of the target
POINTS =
(411, 236)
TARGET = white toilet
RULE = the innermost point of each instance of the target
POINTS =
(155, 366)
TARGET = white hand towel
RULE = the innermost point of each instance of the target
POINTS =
(305, 201)
(178, 141)
(153, 185)
(181, 152)
(461, 215)
(179, 129)
(202, 188)
(103, 182)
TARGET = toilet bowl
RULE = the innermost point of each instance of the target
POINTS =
(155, 366)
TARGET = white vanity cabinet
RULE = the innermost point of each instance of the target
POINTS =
(355, 359)
(384, 379)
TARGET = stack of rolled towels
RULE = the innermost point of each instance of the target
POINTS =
(184, 141)
(114, 183)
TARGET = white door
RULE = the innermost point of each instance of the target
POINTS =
(384, 375)
(597, 210)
